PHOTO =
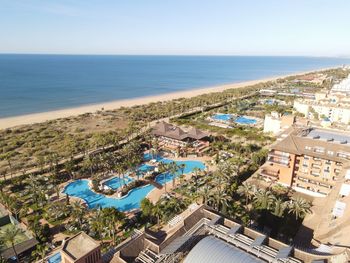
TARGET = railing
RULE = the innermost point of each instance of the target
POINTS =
(267, 173)
(280, 161)
(273, 153)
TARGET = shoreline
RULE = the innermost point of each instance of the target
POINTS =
(10, 122)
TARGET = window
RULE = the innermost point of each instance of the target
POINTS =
(344, 155)
(319, 150)
(304, 169)
(305, 163)
(330, 153)
(284, 154)
(308, 148)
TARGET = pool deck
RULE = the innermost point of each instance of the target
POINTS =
(155, 193)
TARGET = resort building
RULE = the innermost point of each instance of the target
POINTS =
(276, 123)
(81, 248)
(342, 87)
(330, 105)
(316, 79)
(180, 142)
(202, 235)
(310, 160)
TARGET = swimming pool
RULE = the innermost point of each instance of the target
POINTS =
(245, 120)
(149, 156)
(222, 117)
(55, 258)
(117, 182)
(80, 188)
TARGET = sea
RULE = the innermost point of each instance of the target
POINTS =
(40, 83)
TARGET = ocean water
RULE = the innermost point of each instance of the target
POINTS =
(38, 83)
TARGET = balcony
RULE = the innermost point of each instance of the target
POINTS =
(306, 178)
(274, 175)
(279, 161)
(279, 154)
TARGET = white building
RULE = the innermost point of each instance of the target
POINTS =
(334, 106)
(275, 123)
(342, 87)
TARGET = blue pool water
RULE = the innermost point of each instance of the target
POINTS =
(81, 189)
(245, 120)
(222, 117)
(148, 157)
(117, 182)
(56, 258)
(145, 168)
(269, 102)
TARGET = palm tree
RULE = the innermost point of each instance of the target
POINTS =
(238, 162)
(69, 167)
(219, 200)
(40, 252)
(246, 190)
(110, 217)
(204, 193)
(78, 211)
(196, 172)
(9, 236)
(182, 168)
(299, 207)
(173, 168)
(36, 190)
(158, 212)
(263, 199)
(163, 169)
(279, 207)
(97, 223)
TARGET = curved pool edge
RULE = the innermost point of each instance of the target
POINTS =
(89, 187)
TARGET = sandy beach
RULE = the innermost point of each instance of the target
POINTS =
(9, 122)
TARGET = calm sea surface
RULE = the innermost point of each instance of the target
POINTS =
(38, 83)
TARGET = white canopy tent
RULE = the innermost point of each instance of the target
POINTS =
(345, 190)
(347, 175)
(339, 208)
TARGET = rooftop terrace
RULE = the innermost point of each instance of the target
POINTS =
(79, 245)
(205, 236)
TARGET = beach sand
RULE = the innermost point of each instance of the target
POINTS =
(9, 122)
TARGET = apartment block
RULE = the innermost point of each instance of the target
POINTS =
(275, 123)
(310, 160)
(333, 106)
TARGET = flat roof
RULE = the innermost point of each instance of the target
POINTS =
(211, 250)
(329, 136)
(79, 245)
(298, 139)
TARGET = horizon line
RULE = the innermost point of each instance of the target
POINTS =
(174, 55)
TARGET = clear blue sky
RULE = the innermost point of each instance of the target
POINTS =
(213, 27)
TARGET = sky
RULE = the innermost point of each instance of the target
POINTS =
(176, 27)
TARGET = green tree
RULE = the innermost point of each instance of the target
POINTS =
(279, 207)
(9, 236)
(263, 199)
(246, 190)
(40, 252)
(299, 207)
